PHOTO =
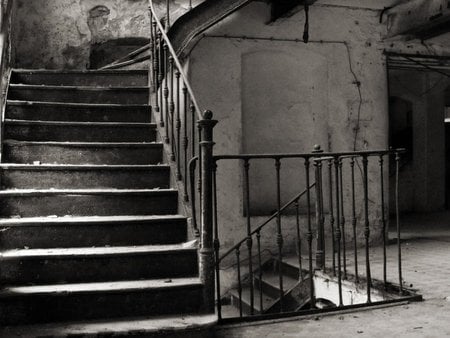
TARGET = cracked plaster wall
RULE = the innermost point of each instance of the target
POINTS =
(59, 34)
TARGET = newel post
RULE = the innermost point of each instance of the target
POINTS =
(206, 126)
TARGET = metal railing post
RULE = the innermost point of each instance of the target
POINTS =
(320, 252)
(206, 255)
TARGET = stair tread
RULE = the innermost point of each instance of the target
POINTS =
(80, 123)
(272, 278)
(86, 88)
(85, 219)
(100, 287)
(75, 104)
(125, 326)
(37, 192)
(85, 144)
(98, 251)
(30, 166)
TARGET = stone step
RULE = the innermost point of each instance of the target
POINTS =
(99, 78)
(24, 130)
(76, 94)
(67, 176)
(88, 202)
(270, 283)
(82, 265)
(82, 152)
(88, 301)
(191, 325)
(44, 232)
(82, 112)
(267, 301)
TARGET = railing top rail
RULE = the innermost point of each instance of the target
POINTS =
(309, 155)
(176, 60)
(272, 217)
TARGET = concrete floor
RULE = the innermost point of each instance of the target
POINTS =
(426, 267)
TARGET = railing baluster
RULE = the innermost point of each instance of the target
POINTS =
(178, 126)
(330, 202)
(238, 255)
(355, 245)
(383, 221)
(151, 71)
(309, 235)
(155, 62)
(320, 254)
(366, 224)
(166, 94)
(260, 275)
(344, 250)
(185, 140)
(249, 233)
(299, 239)
(397, 219)
(167, 15)
(279, 233)
(338, 229)
(160, 59)
(216, 242)
(171, 108)
(193, 115)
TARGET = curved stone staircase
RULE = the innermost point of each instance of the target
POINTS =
(89, 227)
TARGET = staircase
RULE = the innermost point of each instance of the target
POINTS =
(90, 227)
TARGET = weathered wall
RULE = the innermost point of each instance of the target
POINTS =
(273, 93)
(59, 34)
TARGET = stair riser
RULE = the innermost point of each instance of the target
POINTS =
(105, 96)
(93, 234)
(94, 133)
(246, 308)
(89, 205)
(267, 289)
(82, 155)
(45, 309)
(54, 270)
(91, 114)
(84, 179)
(81, 79)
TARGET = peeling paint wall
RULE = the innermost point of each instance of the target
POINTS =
(59, 34)
(334, 93)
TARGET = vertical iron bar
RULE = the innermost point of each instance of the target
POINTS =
(185, 140)
(397, 217)
(178, 127)
(309, 235)
(366, 225)
(166, 93)
(155, 60)
(279, 232)
(249, 233)
(338, 229)
(190, 5)
(333, 239)
(171, 108)
(193, 117)
(151, 71)
(320, 233)
(160, 59)
(344, 251)
(167, 15)
(355, 245)
(299, 239)
(383, 221)
(216, 242)
(238, 253)
(258, 240)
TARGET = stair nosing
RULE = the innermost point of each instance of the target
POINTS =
(84, 144)
(109, 191)
(85, 88)
(89, 252)
(74, 104)
(78, 71)
(80, 123)
(39, 221)
(56, 167)
(100, 287)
